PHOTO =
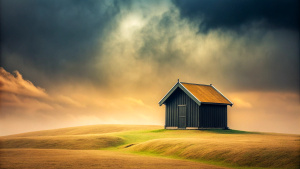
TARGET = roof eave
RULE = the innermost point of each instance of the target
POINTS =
(216, 103)
(162, 101)
(222, 95)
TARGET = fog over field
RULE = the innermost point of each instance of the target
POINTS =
(72, 63)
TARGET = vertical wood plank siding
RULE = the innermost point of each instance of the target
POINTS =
(204, 116)
(213, 116)
(192, 109)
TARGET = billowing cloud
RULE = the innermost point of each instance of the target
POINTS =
(15, 84)
(164, 46)
(96, 41)
(22, 101)
(17, 93)
(112, 61)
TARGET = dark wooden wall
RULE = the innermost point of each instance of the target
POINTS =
(204, 116)
(192, 109)
(213, 116)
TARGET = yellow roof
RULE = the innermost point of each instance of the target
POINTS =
(206, 93)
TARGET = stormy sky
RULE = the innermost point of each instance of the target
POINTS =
(70, 63)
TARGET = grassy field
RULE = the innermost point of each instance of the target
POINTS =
(91, 159)
(229, 148)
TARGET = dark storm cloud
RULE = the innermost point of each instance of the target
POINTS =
(54, 36)
(259, 59)
(232, 14)
(97, 41)
(88, 62)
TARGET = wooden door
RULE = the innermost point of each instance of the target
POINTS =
(182, 116)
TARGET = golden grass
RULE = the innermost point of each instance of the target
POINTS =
(255, 150)
(91, 129)
(92, 159)
(82, 137)
(222, 147)
(88, 141)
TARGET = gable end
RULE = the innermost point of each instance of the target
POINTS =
(179, 85)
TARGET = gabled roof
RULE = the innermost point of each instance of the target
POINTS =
(199, 93)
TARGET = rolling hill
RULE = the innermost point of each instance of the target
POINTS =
(230, 148)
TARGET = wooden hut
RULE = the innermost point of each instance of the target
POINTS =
(195, 106)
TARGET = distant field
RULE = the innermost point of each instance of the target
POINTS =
(230, 148)
(84, 137)
(92, 129)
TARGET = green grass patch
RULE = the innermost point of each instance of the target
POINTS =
(158, 131)
(221, 131)
(235, 148)
(211, 162)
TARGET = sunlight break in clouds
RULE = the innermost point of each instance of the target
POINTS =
(168, 47)
(24, 104)
(111, 61)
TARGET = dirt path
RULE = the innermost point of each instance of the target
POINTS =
(54, 158)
